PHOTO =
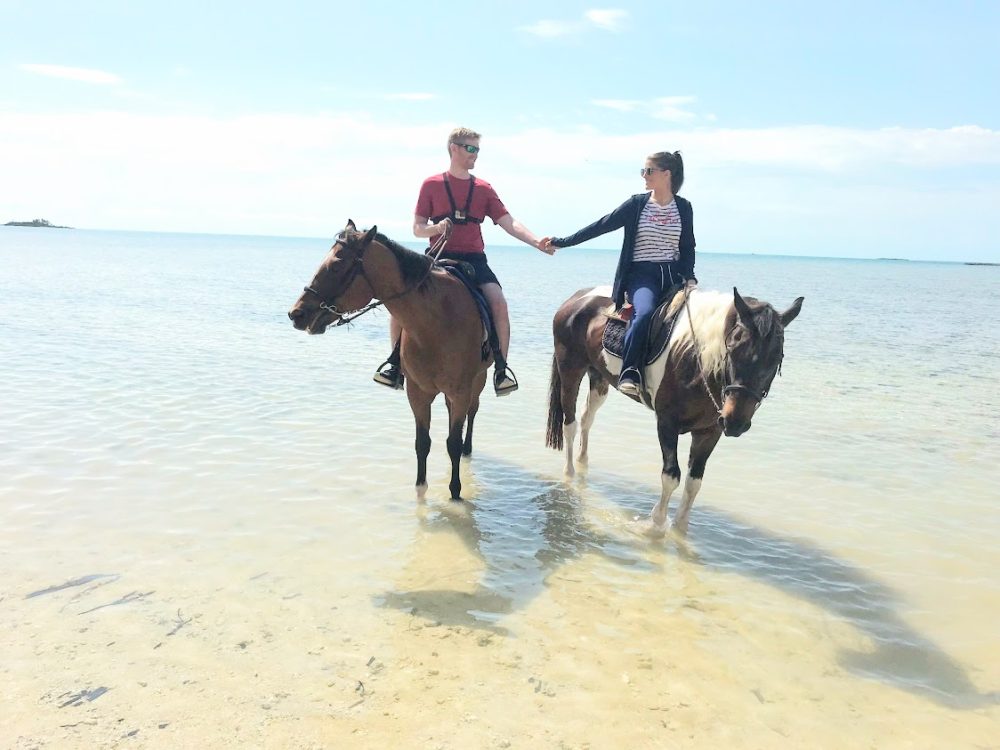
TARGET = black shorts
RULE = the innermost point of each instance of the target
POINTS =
(484, 274)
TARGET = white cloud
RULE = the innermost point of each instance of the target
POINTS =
(612, 19)
(670, 108)
(621, 105)
(550, 29)
(87, 75)
(298, 175)
(414, 96)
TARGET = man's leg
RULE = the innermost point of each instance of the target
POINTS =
(390, 373)
(501, 319)
(503, 382)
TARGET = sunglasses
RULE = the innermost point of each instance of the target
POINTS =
(648, 171)
(468, 147)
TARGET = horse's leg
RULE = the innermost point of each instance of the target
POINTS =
(473, 410)
(595, 398)
(670, 477)
(458, 408)
(570, 389)
(420, 405)
(703, 442)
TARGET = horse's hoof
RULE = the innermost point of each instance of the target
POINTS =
(656, 532)
(646, 528)
(421, 493)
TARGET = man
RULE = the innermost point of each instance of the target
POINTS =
(463, 201)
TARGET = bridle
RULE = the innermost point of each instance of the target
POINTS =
(356, 269)
(732, 387)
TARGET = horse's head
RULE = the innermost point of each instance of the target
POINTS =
(339, 286)
(755, 338)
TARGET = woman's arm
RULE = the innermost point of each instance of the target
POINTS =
(614, 220)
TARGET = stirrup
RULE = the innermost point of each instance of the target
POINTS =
(391, 376)
(505, 382)
(630, 382)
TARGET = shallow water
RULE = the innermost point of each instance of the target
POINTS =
(231, 504)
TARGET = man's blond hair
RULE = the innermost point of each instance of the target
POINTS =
(464, 133)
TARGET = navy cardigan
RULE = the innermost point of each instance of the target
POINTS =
(627, 215)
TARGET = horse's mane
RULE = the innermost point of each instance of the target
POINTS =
(412, 265)
(708, 313)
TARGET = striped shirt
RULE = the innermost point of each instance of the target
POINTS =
(659, 233)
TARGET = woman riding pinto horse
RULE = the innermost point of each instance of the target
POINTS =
(442, 332)
(722, 354)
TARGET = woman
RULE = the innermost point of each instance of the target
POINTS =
(657, 254)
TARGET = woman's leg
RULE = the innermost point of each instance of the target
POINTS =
(643, 289)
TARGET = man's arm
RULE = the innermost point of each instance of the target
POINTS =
(517, 230)
(422, 229)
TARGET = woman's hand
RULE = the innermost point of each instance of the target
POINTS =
(546, 246)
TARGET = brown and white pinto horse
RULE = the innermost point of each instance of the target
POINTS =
(722, 355)
(441, 345)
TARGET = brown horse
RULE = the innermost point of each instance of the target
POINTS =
(719, 344)
(442, 340)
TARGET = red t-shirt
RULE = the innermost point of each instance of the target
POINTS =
(433, 201)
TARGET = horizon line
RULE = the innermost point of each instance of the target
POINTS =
(601, 249)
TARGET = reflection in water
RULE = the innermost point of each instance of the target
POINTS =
(520, 529)
(523, 527)
(901, 657)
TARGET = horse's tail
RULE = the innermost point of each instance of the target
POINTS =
(554, 433)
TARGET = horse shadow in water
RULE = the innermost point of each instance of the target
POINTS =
(903, 658)
(522, 527)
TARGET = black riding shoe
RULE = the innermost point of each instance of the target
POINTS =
(504, 382)
(390, 376)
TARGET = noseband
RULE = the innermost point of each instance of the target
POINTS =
(357, 268)
(733, 387)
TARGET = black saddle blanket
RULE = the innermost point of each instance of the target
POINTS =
(659, 330)
(466, 273)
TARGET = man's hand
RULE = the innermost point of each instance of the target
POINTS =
(546, 246)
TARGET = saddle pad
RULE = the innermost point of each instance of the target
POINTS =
(466, 274)
(660, 330)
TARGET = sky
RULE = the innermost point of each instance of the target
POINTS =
(848, 129)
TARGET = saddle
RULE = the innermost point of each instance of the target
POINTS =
(466, 273)
(660, 328)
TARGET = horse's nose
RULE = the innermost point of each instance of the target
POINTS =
(733, 427)
(294, 314)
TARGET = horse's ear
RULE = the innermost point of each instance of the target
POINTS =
(743, 309)
(792, 312)
(369, 236)
(350, 226)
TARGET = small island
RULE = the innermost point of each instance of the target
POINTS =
(35, 223)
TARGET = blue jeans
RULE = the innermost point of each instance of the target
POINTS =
(645, 285)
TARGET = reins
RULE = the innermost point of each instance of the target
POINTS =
(758, 397)
(348, 316)
(697, 350)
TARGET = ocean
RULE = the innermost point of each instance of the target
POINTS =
(210, 535)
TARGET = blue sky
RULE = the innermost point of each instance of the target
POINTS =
(846, 129)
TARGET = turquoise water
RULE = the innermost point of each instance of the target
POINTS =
(162, 423)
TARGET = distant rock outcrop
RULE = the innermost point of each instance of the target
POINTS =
(35, 223)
